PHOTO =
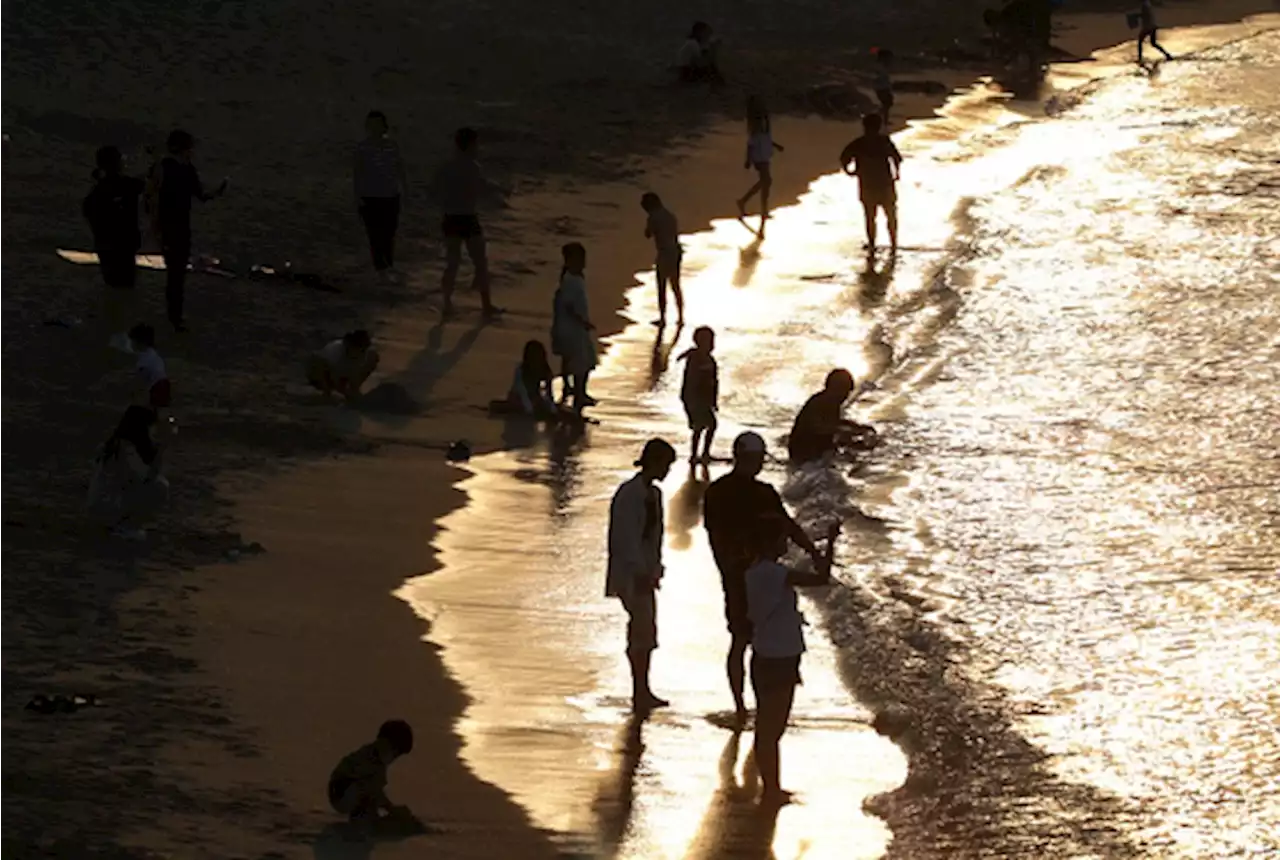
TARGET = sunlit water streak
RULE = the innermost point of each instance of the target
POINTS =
(1080, 490)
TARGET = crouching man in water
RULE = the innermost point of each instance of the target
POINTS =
(343, 365)
(777, 642)
(820, 427)
(635, 563)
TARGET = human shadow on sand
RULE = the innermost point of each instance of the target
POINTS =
(735, 825)
(346, 840)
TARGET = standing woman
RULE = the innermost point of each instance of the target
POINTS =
(760, 148)
(379, 181)
(777, 641)
(571, 326)
(112, 212)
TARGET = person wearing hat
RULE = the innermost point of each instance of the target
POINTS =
(734, 507)
(635, 562)
(820, 427)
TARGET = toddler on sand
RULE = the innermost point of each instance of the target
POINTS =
(700, 391)
(358, 785)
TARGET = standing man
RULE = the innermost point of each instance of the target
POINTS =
(174, 184)
(1147, 33)
(378, 180)
(877, 166)
(635, 563)
(734, 508)
(459, 184)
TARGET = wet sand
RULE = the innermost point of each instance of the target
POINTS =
(300, 652)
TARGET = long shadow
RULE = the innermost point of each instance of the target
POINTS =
(686, 507)
(748, 260)
(616, 798)
(661, 357)
(432, 363)
(734, 825)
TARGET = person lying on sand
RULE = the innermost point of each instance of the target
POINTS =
(343, 365)
(358, 784)
(664, 229)
(699, 56)
(127, 488)
(820, 429)
(531, 387)
(777, 642)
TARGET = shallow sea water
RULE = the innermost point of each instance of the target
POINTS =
(1070, 581)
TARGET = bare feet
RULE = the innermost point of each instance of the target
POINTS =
(775, 797)
(648, 702)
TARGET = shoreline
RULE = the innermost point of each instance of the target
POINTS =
(240, 608)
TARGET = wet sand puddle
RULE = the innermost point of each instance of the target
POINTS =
(985, 531)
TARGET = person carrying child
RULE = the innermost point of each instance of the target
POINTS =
(358, 784)
(700, 392)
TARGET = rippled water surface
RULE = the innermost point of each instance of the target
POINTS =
(1074, 588)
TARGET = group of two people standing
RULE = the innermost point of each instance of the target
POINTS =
(749, 530)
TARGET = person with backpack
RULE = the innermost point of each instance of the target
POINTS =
(111, 209)
(174, 184)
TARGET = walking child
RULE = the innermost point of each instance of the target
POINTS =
(1147, 33)
(663, 228)
(700, 392)
(760, 149)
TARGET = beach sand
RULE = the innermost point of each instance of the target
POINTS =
(230, 690)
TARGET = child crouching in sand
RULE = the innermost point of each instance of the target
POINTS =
(700, 392)
(358, 785)
(343, 365)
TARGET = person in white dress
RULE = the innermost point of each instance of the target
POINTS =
(571, 326)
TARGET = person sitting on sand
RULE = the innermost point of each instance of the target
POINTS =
(700, 392)
(662, 227)
(819, 428)
(358, 784)
(155, 391)
(777, 643)
(698, 59)
(531, 387)
(635, 563)
(760, 149)
(111, 209)
(343, 365)
(571, 326)
(127, 488)
(877, 164)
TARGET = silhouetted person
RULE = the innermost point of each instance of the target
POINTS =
(111, 209)
(378, 181)
(571, 326)
(820, 427)
(460, 184)
(877, 164)
(358, 784)
(733, 508)
(127, 487)
(699, 55)
(760, 149)
(531, 392)
(1148, 30)
(175, 184)
(777, 642)
(635, 563)
(700, 392)
(662, 227)
(884, 83)
(154, 389)
(343, 365)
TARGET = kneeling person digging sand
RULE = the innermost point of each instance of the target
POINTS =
(343, 365)
(358, 785)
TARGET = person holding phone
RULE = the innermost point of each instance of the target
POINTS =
(777, 642)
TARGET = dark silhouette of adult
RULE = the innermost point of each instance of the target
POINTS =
(877, 165)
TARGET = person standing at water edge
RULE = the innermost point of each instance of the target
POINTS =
(1148, 28)
(663, 228)
(112, 212)
(777, 642)
(378, 181)
(760, 148)
(175, 183)
(877, 166)
(700, 392)
(635, 563)
(571, 326)
(459, 184)
(734, 507)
